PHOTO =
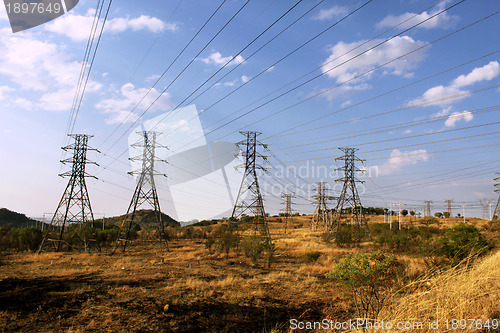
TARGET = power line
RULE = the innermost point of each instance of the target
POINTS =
(79, 102)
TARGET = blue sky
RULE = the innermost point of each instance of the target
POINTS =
(420, 101)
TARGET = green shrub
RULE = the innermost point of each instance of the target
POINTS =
(253, 247)
(430, 220)
(311, 256)
(461, 241)
(349, 235)
(26, 239)
(369, 278)
(228, 239)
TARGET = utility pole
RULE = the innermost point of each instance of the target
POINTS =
(250, 185)
(74, 206)
(288, 208)
(349, 197)
(428, 209)
(321, 212)
(463, 211)
(145, 190)
(390, 215)
(399, 217)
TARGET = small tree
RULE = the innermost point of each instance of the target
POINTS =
(438, 215)
(228, 239)
(404, 212)
(446, 214)
(370, 278)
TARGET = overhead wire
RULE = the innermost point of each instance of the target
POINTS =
(162, 75)
(324, 91)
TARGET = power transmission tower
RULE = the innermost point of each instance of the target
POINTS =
(349, 197)
(428, 208)
(74, 206)
(449, 206)
(145, 190)
(288, 208)
(485, 203)
(496, 212)
(250, 185)
(321, 212)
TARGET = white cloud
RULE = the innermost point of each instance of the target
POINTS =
(457, 116)
(4, 90)
(22, 103)
(40, 66)
(444, 112)
(3, 12)
(443, 20)
(153, 77)
(231, 83)
(245, 79)
(399, 159)
(340, 67)
(346, 104)
(77, 27)
(440, 95)
(343, 91)
(216, 58)
(327, 14)
(121, 116)
(143, 22)
(487, 72)
(127, 98)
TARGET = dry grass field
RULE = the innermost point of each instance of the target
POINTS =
(192, 289)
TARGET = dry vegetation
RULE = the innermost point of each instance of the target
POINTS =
(193, 289)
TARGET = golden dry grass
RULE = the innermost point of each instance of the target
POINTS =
(458, 293)
(191, 289)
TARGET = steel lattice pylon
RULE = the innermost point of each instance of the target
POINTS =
(349, 198)
(288, 208)
(496, 212)
(74, 206)
(250, 185)
(321, 212)
(145, 190)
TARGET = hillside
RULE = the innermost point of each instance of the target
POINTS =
(145, 216)
(16, 220)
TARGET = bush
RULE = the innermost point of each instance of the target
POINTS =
(412, 240)
(26, 239)
(311, 256)
(228, 239)
(253, 247)
(349, 235)
(462, 241)
(370, 278)
(430, 220)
